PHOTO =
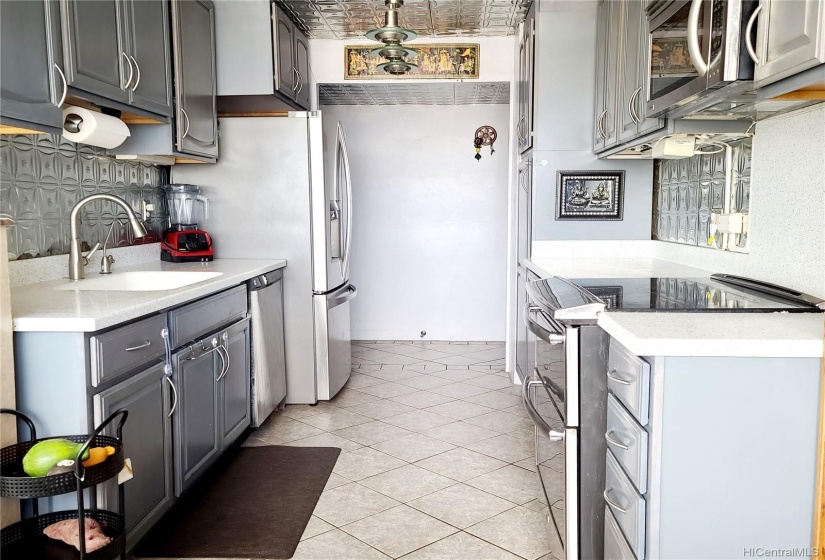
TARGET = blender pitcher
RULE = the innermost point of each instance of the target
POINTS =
(185, 203)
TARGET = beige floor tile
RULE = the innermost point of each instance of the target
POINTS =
(461, 505)
(458, 360)
(519, 530)
(395, 373)
(407, 483)
(460, 433)
(316, 526)
(459, 390)
(334, 481)
(511, 483)
(422, 399)
(529, 463)
(487, 354)
(252, 441)
(460, 546)
(504, 422)
(426, 367)
(364, 462)
(413, 447)
(379, 410)
(491, 382)
(461, 464)
(284, 430)
(400, 530)
(333, 418)
(372, 432)
(336, 545)
(326, 439)
(457, 374)
(418, 420)
(387, 390)
(366, 368)
(350, 397)
(505, 447)
(459, 410)
(349, 503)
(494, 399)
(297, 411)
(424, 382)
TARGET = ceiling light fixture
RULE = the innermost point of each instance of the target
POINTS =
(392, 35)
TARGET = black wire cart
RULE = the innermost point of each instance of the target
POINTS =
(25, 539)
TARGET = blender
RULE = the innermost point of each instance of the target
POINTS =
(184, 241)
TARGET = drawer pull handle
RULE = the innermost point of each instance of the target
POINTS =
(146, 344)
(611, 375)
(613, 441)
(611, 503)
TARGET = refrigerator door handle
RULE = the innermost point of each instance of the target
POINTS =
(348, 184)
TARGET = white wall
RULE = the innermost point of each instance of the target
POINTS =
(430, 229)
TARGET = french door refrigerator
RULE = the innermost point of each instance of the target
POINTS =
(281, 190)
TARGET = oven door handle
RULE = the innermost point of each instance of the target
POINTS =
(547, 336)
(541, 425)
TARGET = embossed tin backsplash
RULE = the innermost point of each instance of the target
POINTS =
(687, 192)
(43, 176)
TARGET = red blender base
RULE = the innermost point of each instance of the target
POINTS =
(192, 245)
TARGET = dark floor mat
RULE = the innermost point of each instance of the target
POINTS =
(254, 505)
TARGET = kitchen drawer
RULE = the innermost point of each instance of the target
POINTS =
(119, 351)
(628, 377)
(207, 315)
(628, 442)
(615, 545)
(625, 503)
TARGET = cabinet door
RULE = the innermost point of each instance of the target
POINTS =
(646, 124)
(303, 94)
(611, 118)
(522, 366)
(235, 384)
(284, 40)
(194, 50)
(600, 107)
(791, 38)
(94, 51)
(628, 85)
(30, 86)
(525, 208)
(525, 85)
(195, 420)
(148, 25)
(147, 441)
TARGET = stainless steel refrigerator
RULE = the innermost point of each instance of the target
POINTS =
(281, 189)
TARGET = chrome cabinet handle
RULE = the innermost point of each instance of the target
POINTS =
(174, 392)
(186, 118)
(631, 106)
(164, 334)
(748, 30)
(224, 349)
(613, 441)
(146, 344)
(518, 129)
(131, 71)
(600, 124)
(300, 82)
(137, 68)
(296, 77)
(612, 503)
(65, 85)
(611, 375)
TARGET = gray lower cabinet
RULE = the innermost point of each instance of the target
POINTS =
(790, 38)
(291, 59)
(147, 438)
(525, 208)
(525, 340)
(30, 84)
(212, 379)
(193, 45)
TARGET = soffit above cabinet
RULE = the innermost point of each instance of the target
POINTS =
(347, 19)
(461, 93)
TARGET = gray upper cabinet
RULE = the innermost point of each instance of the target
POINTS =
(527, 44)
(148, 50)
(94, 48)
(286, 78)
(600, 108)
(193, 40)
(790, 38)
(302, 94)
(147, 438)
(30, 84)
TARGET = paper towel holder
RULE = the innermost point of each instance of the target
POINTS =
(73, 123)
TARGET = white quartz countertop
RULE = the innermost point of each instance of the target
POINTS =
(788, 335)
(40, 307)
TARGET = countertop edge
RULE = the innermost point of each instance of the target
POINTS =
(169, 299)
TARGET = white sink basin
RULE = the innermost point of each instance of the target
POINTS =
(140, 281)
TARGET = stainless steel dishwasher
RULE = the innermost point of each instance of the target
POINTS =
(266, 305)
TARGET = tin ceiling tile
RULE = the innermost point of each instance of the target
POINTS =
(346, 19)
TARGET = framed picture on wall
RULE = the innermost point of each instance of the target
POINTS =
(590, 195)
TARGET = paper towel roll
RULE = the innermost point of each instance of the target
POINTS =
(93, 128)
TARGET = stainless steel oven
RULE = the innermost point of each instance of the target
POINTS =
(697, 50)
(565, 397)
